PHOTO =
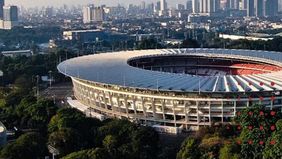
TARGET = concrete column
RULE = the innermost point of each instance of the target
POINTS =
(163, 110)
(134, 107)
(105, 101)
(222, 112)
(210, 122)
(144, 109)
(174, 113)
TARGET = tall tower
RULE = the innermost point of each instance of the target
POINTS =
(10, 13)
(87, 14)
(163, 5)
(271, 7)
(196, 6)
(259, 8)
(250, 8)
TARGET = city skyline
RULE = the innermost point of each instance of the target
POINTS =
(40, 3)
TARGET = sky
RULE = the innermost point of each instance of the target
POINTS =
(33, 3)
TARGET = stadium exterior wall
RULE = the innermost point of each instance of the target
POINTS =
(157, 109)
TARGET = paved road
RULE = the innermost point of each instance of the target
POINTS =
(58, 93)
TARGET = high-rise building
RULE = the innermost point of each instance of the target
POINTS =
(10, 17)
(2, 3)
(163, 4)
(180, 6)
(196, 6)
(143, 5)
(244, 5)
(259, 8)
(98, 14)
(10, 13)
(158, 7)
(250, 8)
(279, 5)
(189, 5)
(87, 14)
(271, 7)
(93, 14)
(209, 6)
(232, 4)
(262, 8)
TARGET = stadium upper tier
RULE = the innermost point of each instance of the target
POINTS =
(181, 70)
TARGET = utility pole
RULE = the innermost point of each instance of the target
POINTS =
(37, 87)
(50, 78)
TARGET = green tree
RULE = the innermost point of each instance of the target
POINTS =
(273, 147)
(27, 146)
(66, 141)
(189, 149)
(96, 153)
(229, 150)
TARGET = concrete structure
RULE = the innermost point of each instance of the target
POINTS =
(17, 53)
(246, 37)
(184, 88)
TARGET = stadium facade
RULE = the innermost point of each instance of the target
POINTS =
(184, 88)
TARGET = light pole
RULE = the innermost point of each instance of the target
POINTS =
(37, 86)
(50, 78)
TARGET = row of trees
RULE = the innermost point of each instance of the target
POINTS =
(256, 135)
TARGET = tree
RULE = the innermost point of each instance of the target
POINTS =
(190, 43)
(66, 141)
(273, 148)
(145, 143)
(189, 149)
(210, 145)
(229, 150)
(96, 153)
(27, 146)
(66, 118)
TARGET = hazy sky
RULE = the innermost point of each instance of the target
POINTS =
(32, 3)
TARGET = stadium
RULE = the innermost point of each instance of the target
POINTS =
(177, 88)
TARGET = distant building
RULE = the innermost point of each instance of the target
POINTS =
(262, 8)
(93, 14)
(250, 8)
(87, 16)
(209, 6)
(2, 3)
(196, 6)
(189, 5)
(163, 5)
(10, 17)
(16, 53)
(279, 5)
(180, 6)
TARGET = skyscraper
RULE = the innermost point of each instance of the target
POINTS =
(271, 7)
(2, 3)
(189, 5)
(196, 6)
(279, 5)
(163, 4)
(250, 8)
(87, 16)
(209, 6)
(259, 8)
(10, 13)
(93, 14)
(10, 17)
